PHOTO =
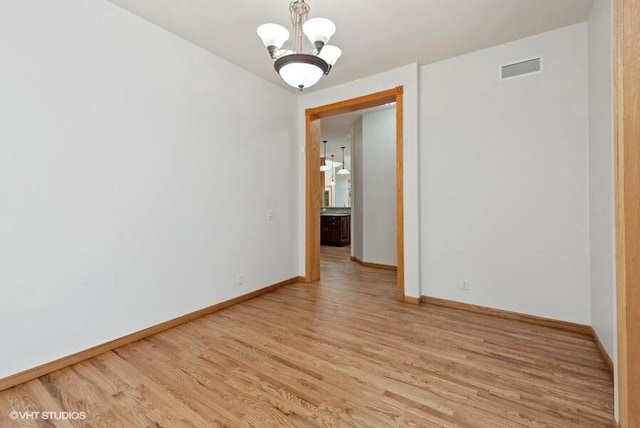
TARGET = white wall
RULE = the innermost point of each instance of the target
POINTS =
(342, 190)
(379, 187)
(132, 190)
(406, 76)
(504, 178)
(602, 225)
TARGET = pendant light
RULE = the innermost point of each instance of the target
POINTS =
(333, 169)
(324, 167)
(344, 170)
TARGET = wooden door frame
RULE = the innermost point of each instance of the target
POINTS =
(627, 190)
(312, 204)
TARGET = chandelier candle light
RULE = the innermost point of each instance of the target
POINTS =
(297, 67)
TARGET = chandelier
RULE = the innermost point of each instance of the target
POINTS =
(294, 63)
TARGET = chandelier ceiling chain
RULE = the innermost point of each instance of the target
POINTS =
(301, 63)
(299, 14)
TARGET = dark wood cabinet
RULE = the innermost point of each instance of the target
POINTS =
(335, 230)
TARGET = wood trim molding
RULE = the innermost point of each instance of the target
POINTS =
(531, 319)
(313, 183)
(400, 192)
(27, 375)
(354, 104)
(627, 190)
(603, 351)
(374, 265)
(313, 204)
(413, 300)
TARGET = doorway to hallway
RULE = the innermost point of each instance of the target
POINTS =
(315, 189)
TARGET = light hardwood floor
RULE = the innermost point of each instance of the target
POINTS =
(342, 352)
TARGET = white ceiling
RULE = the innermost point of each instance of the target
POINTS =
(374, 35)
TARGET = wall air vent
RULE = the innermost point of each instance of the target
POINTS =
(521, 68)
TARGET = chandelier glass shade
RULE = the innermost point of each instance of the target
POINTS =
(301, 70)
(301, 61)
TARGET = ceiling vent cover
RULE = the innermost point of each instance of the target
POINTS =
(521, 68)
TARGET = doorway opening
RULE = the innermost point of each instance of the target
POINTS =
(315, 187)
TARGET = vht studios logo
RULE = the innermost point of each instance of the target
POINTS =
(48, 415)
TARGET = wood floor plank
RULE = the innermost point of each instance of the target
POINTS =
(338, 353)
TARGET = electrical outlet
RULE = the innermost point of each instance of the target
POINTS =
(240, 279)
(464, 285)
(270, 215)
